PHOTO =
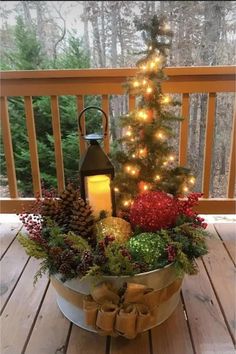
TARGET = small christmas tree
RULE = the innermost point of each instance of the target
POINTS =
(146, 161)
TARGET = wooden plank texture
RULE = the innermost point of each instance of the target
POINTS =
(232, 166)
(139, 345)
(34, 161)
(210, 124)
(109, 81)
(12, 266)
(209, 331)
(80, 107)
(83, 342)
(206, 206)
(8, 232)
(56, 127)
(227, 233)
(105, 108)
(131, 103)
(172, 336)
(222, 273)
(8, 150)
(19, 314)
(183, 141)
(51, 328)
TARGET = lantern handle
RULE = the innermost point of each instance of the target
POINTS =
(99, 109)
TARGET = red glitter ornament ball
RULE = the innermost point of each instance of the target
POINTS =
(152, 211)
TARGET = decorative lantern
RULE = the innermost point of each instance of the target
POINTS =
(96, 172)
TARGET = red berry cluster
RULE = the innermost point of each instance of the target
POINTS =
(171, 253)
(33, 225)
(185, 207)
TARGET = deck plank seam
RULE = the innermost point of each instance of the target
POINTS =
(219, 303)
(225, 246)
(68, 337)
(108, 345)
(35, 319)
(150, 341)
(187, 322)
(17, 233)
(15, 285)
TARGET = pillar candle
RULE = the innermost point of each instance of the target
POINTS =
(99, 194)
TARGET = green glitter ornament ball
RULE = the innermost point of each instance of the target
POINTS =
(149, 248)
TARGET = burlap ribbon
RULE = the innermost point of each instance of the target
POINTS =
(127, 315)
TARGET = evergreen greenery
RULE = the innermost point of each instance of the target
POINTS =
(28, 55)
(145, 159)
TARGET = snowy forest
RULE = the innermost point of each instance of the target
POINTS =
(39, 35)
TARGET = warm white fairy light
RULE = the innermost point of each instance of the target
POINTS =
(157, 178)
(149, 90)
(128, 168)
(192, 180)
(143, 115)
(136, 83)
(133, 172)
(144, 82)
(152, 65)
(133, 155)
(145, 187)
(165, 99)
(116, 189)
(144, 67)
(160, 135)
(126, 202)
(185, 189)
(165, 163)
(171, 158)
(150, 47)
(166, 27)
(157, 59)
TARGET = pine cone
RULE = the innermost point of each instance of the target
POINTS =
(65, 269)
(82, 221)
(67, 197)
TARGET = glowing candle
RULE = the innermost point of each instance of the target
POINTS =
(99, 194)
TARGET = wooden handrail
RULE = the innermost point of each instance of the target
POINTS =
(106, 82)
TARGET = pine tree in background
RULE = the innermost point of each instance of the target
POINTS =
(146, 161)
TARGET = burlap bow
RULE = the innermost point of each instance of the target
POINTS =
(135, 311)
(127, 315)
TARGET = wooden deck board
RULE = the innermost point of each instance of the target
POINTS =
(19, 314)
(172, 336)
(139, 345)
(12, 265)
(205, 319)
(50, 325)
(227, 233)
(84, 342)
(221, 271)
(31, 322)
(7, 234)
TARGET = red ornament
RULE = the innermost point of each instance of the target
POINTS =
(153, 211)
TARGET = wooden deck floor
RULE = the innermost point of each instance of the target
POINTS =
(203, 323)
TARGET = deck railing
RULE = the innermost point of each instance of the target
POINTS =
(105, 82)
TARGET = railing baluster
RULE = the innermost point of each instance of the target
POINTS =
(105, 107)
(183, 142)
(30, 124)
(209, 143)
(80, 107)
(8, 150)
(131, 103)
(232, 166)
(57, 143)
